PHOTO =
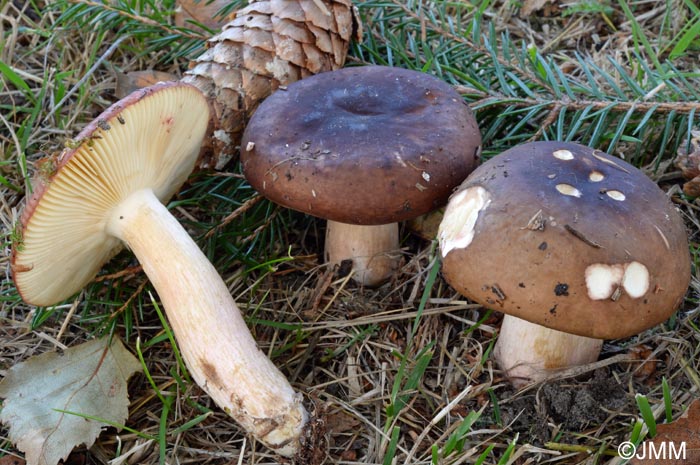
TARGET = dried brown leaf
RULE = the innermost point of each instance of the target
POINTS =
(10, 460)
(692, 187)
(426, 226)
(202, 12)
(129, 82)
(530, 6)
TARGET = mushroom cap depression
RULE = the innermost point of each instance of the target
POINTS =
(149, 139)
(567, 237)
(369, 145)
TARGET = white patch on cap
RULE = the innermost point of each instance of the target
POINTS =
(563, 155)
(636, 280)
(456, 230)
(603, 280)
(596, 176)
(615, 195)
(568, 189)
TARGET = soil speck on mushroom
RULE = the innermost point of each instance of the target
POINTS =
(561, 289)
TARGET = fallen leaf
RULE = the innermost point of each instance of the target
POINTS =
(85, 380)
(530, 6)
(692, 187)
(341, 422)
(688, 161)
(688, 156)
(10, 460)
(669, 440)
(202, 11)
(426, 226)
(647, 368)
(133, 80)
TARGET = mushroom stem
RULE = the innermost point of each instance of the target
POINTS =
(214, 340)
(374, 250)
(529, 352)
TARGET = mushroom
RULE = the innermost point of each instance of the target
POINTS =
(364, 148)
(108, 191)
(574, 245)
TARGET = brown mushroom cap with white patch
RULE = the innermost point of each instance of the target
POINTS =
(368, 145)
(149, 139)
(567, 237)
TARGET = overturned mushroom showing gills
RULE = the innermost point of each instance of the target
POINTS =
(363, 148)
(574, 245)
(109, 191)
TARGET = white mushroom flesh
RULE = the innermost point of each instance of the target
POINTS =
(602, 280)
(636, 280)
(568, 189)
(596, 176)
(457, 227)
(563, 155)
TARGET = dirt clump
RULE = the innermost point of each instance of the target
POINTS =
(577, 406)
(572, 405)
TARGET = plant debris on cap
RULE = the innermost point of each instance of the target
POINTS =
(63, 241)
(567, 237)
(369, 145)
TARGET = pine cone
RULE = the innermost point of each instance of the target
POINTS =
(269, 44)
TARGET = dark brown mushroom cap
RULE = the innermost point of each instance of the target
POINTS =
(368, 145)
(566, 237)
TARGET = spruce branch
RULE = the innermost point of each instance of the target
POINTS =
(147, 22)
(486, 100)
(122, 10)
(633, 108)
(462, 39)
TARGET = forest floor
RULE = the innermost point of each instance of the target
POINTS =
(383, 366)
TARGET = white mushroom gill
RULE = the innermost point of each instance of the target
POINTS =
(457, 227)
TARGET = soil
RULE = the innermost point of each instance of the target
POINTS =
(570, 404)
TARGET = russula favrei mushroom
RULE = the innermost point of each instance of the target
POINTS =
(574, 245)
(108, 191)
(363, 148)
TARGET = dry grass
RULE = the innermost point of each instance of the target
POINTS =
(354, 351)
